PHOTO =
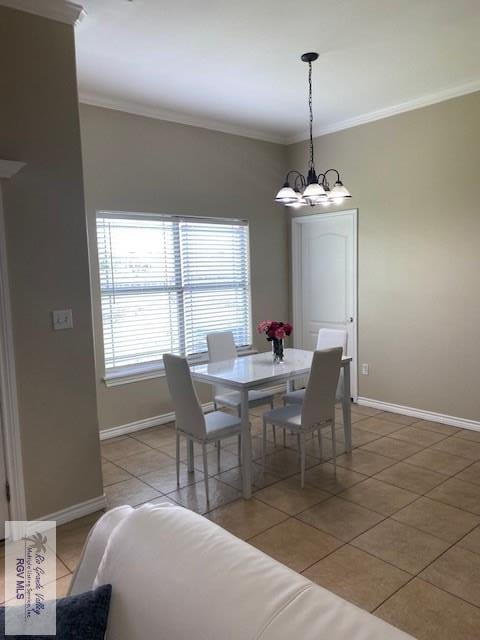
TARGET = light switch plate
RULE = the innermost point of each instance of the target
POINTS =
(62, 319)
(364, 369)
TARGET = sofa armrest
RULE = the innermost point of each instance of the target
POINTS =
(177, 575)
(94, 549)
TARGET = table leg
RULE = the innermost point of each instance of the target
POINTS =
(289, 387)
(190, 455)
(246, 446)
(347, 407)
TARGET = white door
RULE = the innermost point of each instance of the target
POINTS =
(324, 279)
(3, 486)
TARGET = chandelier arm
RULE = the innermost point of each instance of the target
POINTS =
(328, 171)
(303, 183)
(298, 175)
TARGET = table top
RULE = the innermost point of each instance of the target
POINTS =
(256, 369)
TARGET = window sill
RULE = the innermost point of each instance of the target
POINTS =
(138, 373)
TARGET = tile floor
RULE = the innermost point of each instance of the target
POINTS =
(397, 531)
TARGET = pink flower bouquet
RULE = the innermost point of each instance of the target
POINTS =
(275, 332)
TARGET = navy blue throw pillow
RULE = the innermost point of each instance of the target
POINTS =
(82, 617)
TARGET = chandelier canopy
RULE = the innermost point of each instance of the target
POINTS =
(300, 191)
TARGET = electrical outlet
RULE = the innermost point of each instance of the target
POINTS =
(364, 369)
(62, 319)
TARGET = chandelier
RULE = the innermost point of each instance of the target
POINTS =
(300, 191)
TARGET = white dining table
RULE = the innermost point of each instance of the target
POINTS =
(253, 371)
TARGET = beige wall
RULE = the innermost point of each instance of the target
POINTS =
(132, 163)
(48, 262)
(415, 182)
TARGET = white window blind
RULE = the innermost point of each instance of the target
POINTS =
(167, 282)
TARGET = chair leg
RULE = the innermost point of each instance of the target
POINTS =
(320, 443)
(272, 406)
(215, 406)
(205, 471)
(334, 449)
(302, 459)
(299, 445)
(284, 438)
(219, 449)
(190, 454)
(264, 442)
(240, 449)
(177, 457)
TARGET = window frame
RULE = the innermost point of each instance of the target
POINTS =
(154, 369)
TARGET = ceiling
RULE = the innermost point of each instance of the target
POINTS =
(235, 65)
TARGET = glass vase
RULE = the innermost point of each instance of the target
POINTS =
(277, 350)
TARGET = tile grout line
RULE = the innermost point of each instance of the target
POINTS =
(320, 461)
(417, 575)
(327, 461)
(391, 564)
(391, 516)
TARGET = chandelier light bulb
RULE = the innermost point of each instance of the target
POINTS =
(298, 204)
(286, 195)
(339, 192)
(299, 201)
(314, 190)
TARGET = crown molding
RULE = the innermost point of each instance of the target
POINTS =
(379, 114)
(8, 168)
(59, 10)
(205, 123)
(172, 116)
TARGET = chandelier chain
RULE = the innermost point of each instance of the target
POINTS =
(312, 163)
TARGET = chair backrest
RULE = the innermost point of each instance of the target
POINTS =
(221, 346)
(319, 403)
(188, 412)
(330, 338)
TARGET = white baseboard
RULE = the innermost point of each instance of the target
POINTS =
(155, 421)
(421, 414)
(77, 511)
(146, 423)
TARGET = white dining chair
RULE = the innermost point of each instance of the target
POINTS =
(327, 339)
(190, 421)
(221, 346)
(317, 410)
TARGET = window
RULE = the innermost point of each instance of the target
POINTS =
(166, 282)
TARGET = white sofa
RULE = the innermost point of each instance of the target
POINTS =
(178, 576)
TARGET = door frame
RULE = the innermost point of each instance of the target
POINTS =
(8, 386)
(297, 276)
